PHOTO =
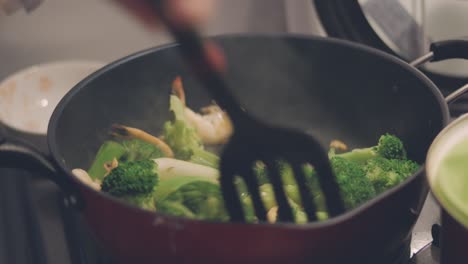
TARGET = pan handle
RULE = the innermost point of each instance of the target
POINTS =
(15, 153)
(445, 50)
(456, 94)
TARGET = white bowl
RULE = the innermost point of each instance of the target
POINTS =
(29, 96)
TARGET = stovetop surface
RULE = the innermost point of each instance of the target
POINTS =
(56, 234)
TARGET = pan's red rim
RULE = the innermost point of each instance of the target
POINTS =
(56, 155)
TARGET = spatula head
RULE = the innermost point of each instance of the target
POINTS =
(270, 145)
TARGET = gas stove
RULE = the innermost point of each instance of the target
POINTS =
(37, 225)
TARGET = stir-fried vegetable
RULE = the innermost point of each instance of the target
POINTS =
(173, 168)
(388, 147)
(134, 182)
(107, 152)
(355, 187)
(183, 138)
(135, 133)
(386, 173)
(193, 198)
(176, 175)
(213, 125)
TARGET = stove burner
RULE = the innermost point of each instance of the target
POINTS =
(401, 255)
(430, 254)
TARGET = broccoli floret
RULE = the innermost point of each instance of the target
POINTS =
(178, 133)
(183, 138)
(191, 197)
(136, 149)
(134, 182)
(351, 174)
(389, 147)
(123, 151)
(355, 187)
(351, 178)
(386, 173)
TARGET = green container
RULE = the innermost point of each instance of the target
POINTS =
(447, 175)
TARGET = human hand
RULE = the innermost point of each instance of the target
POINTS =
(183, 12)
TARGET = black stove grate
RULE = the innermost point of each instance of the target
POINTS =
(21, 238)
(82, 246)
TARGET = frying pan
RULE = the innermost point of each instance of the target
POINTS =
(331, 88)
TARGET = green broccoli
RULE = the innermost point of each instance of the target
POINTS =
(191, 197)
(178, 133)
(357, 184)
(137, 149)
(355, 187)
(174, 194)
(386, 173)
(183, 138)
(134, 182)
(125, 150)
(106, 153)
(389, 147)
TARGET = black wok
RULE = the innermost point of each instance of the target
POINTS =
(331, 88)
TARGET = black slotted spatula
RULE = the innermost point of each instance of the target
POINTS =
(254, 141)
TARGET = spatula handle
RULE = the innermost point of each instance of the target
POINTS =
(194, 51)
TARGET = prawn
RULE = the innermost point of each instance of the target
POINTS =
(131, 132)
(213, 125)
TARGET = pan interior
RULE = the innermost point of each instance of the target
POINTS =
(320, 86)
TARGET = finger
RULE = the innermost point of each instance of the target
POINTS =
(183, 12)
(142, 11)
(191, 12)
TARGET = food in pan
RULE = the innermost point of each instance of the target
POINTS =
(175, 174)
